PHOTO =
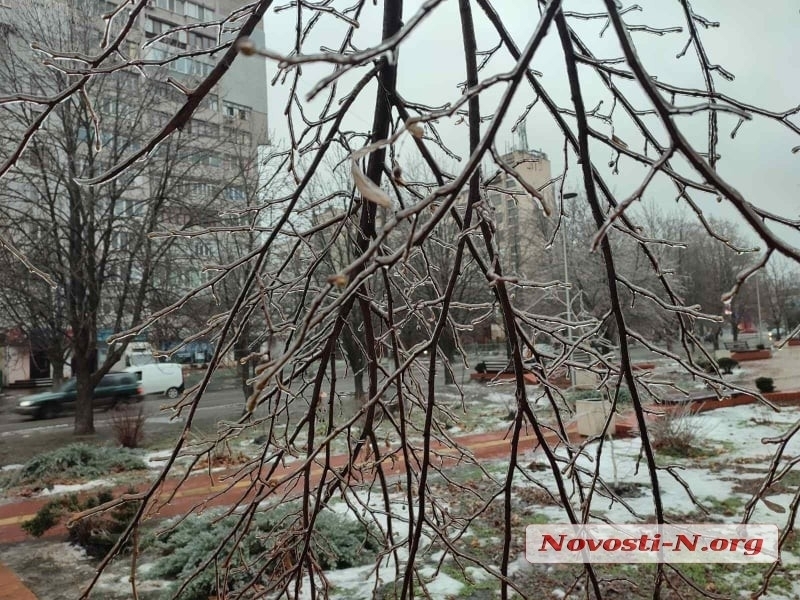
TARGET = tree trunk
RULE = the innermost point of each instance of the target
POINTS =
(355, 359)
(448, 377)
(245, 369)
(57, 365)
(447, 344)
(358, 382)
(84, 405)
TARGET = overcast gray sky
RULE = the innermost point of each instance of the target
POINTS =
(757, 43)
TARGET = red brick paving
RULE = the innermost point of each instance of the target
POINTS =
(11, 588)
(483, 446)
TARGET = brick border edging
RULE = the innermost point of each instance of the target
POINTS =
(791, 397)
(751, 355)
(486, 445)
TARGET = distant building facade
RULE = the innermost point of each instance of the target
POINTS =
(215, 167)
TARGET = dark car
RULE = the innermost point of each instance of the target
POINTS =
(113, 389)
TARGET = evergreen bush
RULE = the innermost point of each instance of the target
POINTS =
(75, 462)
(338, 543)
(96, 534)
(706, 366)
(765, 385)
(727, 364)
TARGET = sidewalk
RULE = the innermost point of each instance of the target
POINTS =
(484, 446)
(198, 488)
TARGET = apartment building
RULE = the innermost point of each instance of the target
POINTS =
(521, 227)
(230, 129)
(209, 168)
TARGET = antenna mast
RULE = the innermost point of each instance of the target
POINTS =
(523, 136)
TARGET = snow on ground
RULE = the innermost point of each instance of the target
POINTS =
(737, 434)
(156, 460)
(359, 583)
(75, 487)
(747, 426)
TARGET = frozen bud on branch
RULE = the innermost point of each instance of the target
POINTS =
(339, 280)
(367, 188)
(415, 129)
(618, 141)
(246, 46)
(397, 173)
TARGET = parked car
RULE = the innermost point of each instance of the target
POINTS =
(113, 389)
(159, 378)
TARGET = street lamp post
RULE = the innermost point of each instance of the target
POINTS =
(758, 304)
(567, 196)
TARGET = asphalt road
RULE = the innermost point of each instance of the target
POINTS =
(215, 406)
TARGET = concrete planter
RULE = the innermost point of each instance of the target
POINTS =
(591, 416)
(751, 355)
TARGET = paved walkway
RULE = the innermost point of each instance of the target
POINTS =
(484, 446)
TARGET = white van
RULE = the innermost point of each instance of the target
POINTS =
(159, 378)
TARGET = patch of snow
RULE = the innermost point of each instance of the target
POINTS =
(792, 594)
(154, 460)
(763, 514)
(75, 487)
(747, 426)
(506, 399)
(519, 565)
(11, 467)
(739, 429)
(441, 585)
(476, 574)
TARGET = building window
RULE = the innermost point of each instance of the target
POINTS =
(201, 42)
(195, 11)
(237, 135)
(202, 250)
(236, 111)
(175, 6)
(234, 193)
(154, 27)
(197, 189)
(120, 240)
(202, 128)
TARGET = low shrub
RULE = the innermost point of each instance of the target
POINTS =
(96, 534)
(586, 395)
(706, 366)
(727, 364)
(676, 433)
(602, 394)
(127, 424)
(274, 536)
(765, 384)
(75, 461)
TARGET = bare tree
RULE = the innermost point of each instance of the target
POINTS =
(782, 286)
(391, 234)
(91, 240)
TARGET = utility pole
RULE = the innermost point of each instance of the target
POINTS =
(567, 196)
(758, 304)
